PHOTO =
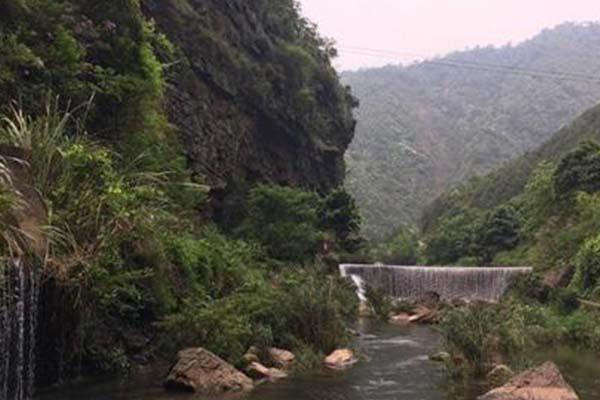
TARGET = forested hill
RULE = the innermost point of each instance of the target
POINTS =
(509, 181)
(248, 86)
(425, 127)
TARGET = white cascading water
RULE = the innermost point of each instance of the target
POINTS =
(18, 317)
(451, 283)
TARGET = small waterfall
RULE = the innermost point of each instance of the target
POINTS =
(471, 283)
(18, 315)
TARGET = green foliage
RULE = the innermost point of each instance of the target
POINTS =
(587, 262)
(453, 238)
(499, 230)
(539, 198)
(379, 301)
(302, 310)
(284, 220)
(579, 170)
(338, 214)
(401, 249)
(481, 332)
(416, 138)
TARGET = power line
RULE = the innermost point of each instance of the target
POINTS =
(476, 63)
(487, 67)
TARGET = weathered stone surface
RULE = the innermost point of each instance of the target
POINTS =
(238, 119)
(542, 383)
(259, 372)
(424, 315)
(340, 359)
(199, 370)
(281, 358)
(401, 319)
(558, 278)
(499, 375)
(442, 356)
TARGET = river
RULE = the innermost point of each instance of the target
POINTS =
(394, 365)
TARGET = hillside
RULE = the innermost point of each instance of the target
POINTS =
(248, 86)
(168, 172)
(509, 181)
(425, 127)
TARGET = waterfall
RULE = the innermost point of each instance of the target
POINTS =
(18, 316)
(470, 283)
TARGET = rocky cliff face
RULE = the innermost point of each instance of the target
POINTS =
(253, 93)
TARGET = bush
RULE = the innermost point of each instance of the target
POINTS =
(378, 300)
(587, 266)
(566, 300)
(481, 332)
(284, 220)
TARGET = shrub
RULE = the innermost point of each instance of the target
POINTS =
(481, 332)
(587, 263)
(378, 300)
(284, 220)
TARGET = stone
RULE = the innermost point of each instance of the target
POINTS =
(259, 372)
(558, 278)
(340, 359)
(499, 375)
(424, 315)
(280, 358)
(442, 356)
(542, 383)
(198, 370)
(251, 355)
(401, 319)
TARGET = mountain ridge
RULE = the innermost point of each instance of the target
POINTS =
(426, 127)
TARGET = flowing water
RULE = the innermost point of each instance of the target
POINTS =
(394, 366)
(18, 316)
(472, 283)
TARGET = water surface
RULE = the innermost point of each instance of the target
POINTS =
(394, 366)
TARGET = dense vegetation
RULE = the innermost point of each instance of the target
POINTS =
(425, 127)
(134, 269)
(551, 224)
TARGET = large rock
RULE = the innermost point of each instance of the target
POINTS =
(442, 356)
(499, 375)
(199, 370)
(340, 359)
(259, 372)
(542, 383)
(281, 358)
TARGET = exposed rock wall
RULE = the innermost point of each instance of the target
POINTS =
(254, 98)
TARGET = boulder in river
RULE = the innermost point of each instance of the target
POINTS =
(442, 356)
(280, 358)
(340, 359)
(499, 375)
(542, 383)
(199, 370)
(259, 372)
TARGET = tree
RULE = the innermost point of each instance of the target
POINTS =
(339, 214)
(498, 231)
(579, 170)
(452, 238)
(284, 220)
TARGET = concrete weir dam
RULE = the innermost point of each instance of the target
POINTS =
(402, 282)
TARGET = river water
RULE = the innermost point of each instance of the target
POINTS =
(394, 365)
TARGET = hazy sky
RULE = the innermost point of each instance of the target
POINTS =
(414, 29)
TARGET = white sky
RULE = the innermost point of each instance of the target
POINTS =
(425, 28)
